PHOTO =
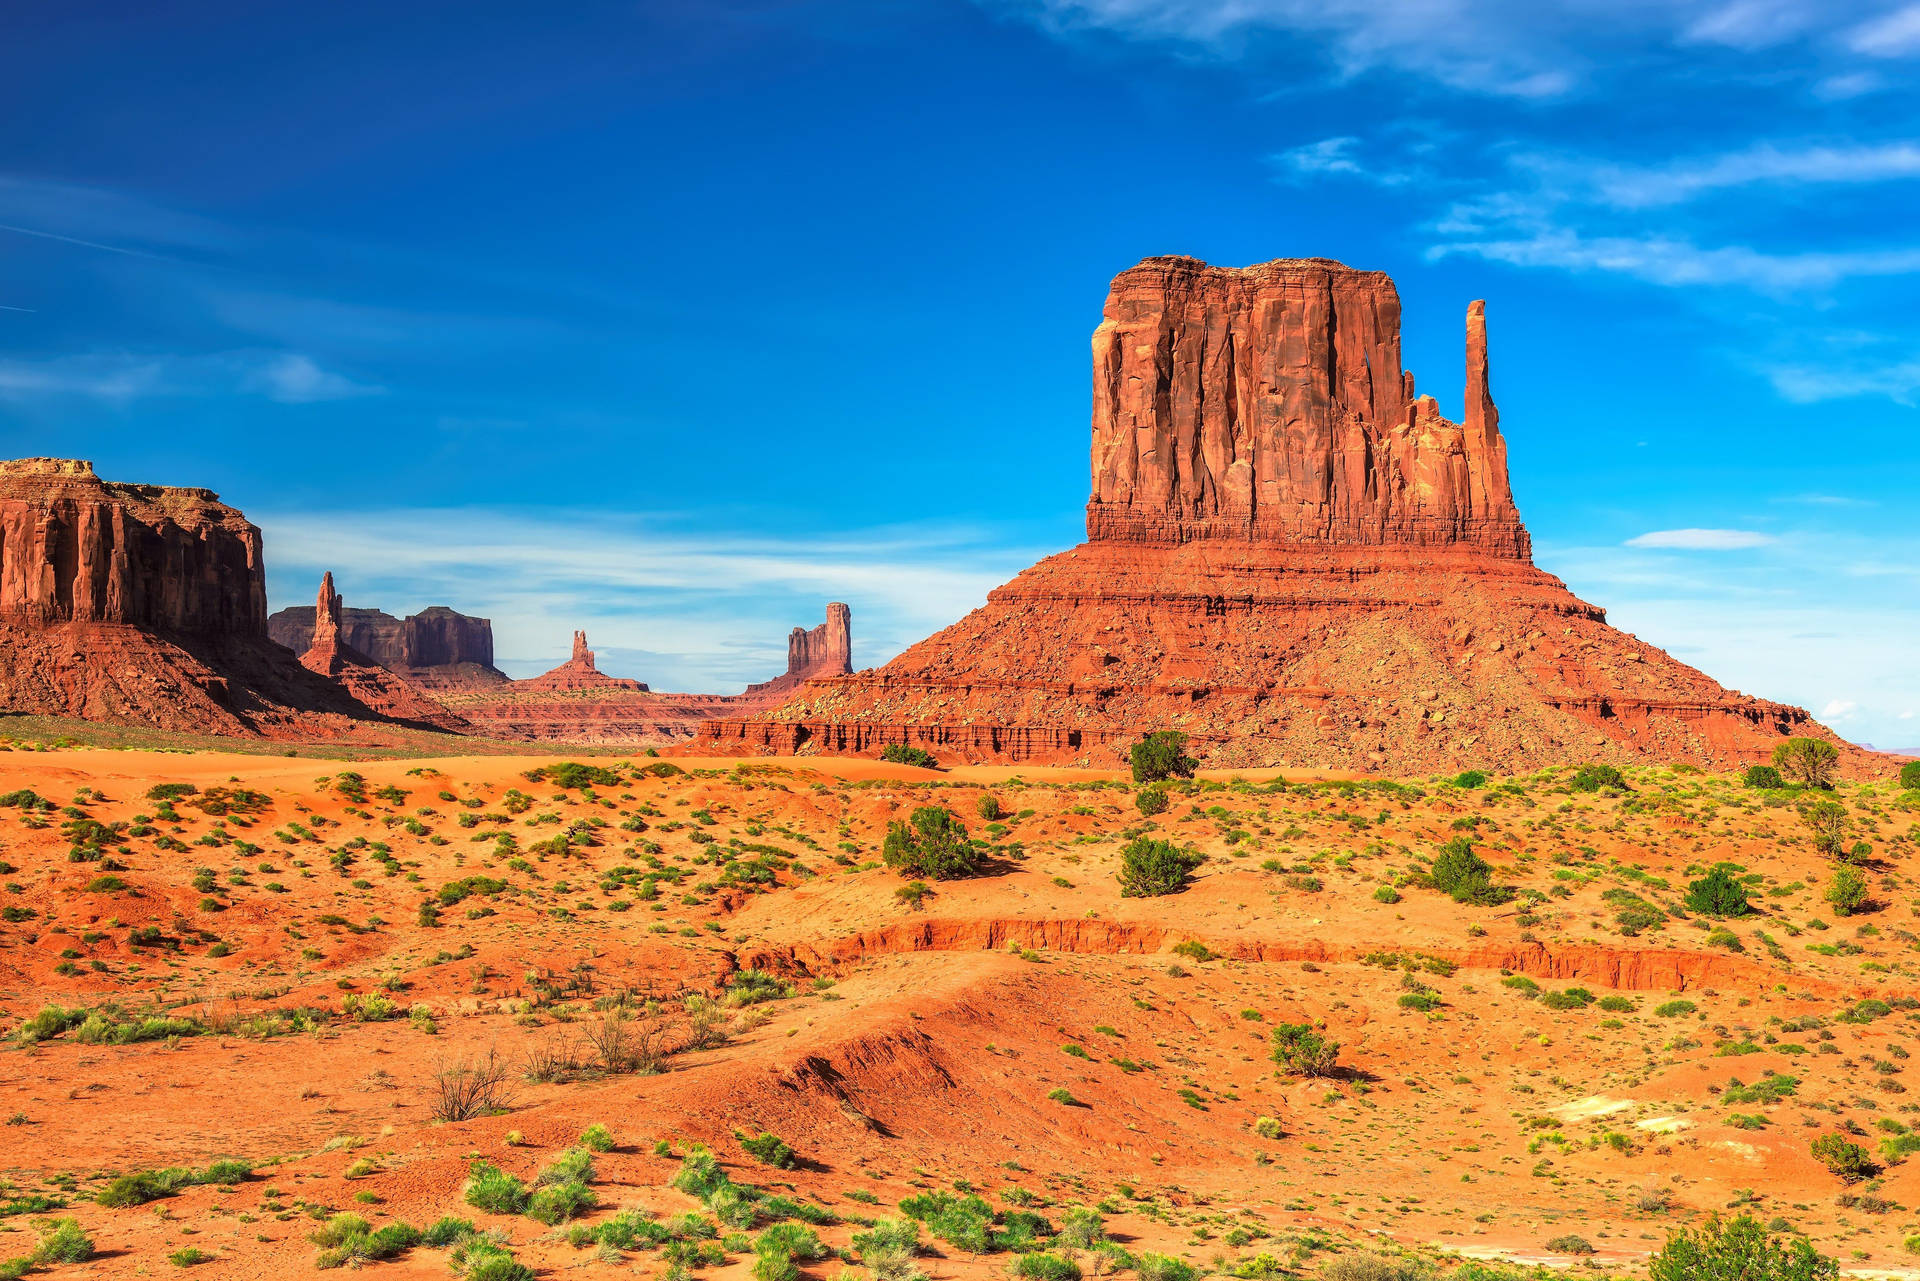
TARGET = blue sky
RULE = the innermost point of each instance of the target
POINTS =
(677, 320)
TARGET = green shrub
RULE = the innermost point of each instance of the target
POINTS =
(1910, 775)
(1593, 778)
(1843, 1157)
(494, 1190)
(1763, 777)
(597, 1138)
(1151, 800)
(888, 1248)
(1827, 820)
(1717, 894)
(63, 1242)
(901, 754)
(768, 1149)
(1151, 868)
(1047, 1267)
(1674, 1009)
(932, 844)
(1570, 1244)
(560, 1202)
(189, 1257)
(1148, 1266)
(1298, 1050)
(1470, 779)
(1738, 1251)
(1466, 877)
(1386, 894)
(1847, 890)
(1159, 756)
(1809, 762)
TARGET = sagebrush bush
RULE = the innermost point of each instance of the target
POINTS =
(1717, 894)
(1298, 1050)
(494, 1190)
(1161, 755)
(1151, 868)
(932, 844)
(1465, 877)
(901, 754)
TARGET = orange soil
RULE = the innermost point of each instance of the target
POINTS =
(921, 1045)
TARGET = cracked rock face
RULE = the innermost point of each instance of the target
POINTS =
(77, 549)
(1268, 404)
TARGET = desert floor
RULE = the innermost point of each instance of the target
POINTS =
(279, 965)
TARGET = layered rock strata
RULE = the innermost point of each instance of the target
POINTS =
(1292, 557)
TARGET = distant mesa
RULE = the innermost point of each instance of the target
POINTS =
(435, 648)
(146, 605)
(576, 702)
(1291, 556)
(578, 675)
(331, 655)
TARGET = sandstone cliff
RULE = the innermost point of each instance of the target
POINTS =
(1291, 557)
(77, 549)
(1268, 404)
(146, 605)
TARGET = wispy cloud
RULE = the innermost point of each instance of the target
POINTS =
(1337, 157)
(1702, 540)
(285, 377)
(1662, 260)
(1892, 35)
(1770, 163)
(1508, 48)
(1804, 384)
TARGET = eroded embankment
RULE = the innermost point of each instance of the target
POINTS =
(1632, 969)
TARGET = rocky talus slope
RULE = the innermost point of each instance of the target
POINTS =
(1292, 557)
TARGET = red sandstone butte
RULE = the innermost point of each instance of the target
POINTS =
(438, 648)
(1293, 558)
(145, 605)
(373, 685)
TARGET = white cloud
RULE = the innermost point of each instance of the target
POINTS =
(1641, 187)
(1838, 709)
(286, 377)
(1711, 540)
(1513, 48)
(1804, 384)
(1893, 35)
(1664, 260)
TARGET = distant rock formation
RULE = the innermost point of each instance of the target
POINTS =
(436, 648)
(577, 703)
(373, 685)
(146, 605)
(1292, 558)
(578, 674)
(826, 650)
